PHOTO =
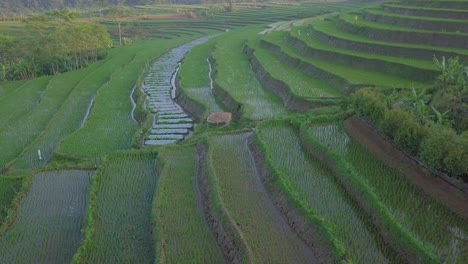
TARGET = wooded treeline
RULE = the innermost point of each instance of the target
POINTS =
(18, 5)
(53, 43)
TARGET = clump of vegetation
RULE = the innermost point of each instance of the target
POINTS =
(413, 121)
(55, 42)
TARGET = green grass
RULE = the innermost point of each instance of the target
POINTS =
(9, 188)
(27, 95)
(299, 83)
(267, 235)
(427, 220)
(352, 75)
(317, 188)
(47, 228)
(182, 235)
(7, 87)
(119, 215)
(234, 75)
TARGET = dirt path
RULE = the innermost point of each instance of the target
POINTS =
(450, 196)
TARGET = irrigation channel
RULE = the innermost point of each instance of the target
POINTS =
(170, 122)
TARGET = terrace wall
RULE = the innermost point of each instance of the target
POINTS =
(401, 70)
(416, 53)
(417, 23)
(410, 37)
(281, 89)
(463, 14)
(325, 76)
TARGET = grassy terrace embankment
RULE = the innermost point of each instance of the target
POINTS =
(235, 78)
(297, 90)
(328, 33)
(411, 69)
(425, 23)
(341, 76)
(357, 25)
(195, 78)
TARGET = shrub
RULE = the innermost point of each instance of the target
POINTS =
(370, 104)
(392, 121)
(455, 161)
(411, 134)
(436, 146)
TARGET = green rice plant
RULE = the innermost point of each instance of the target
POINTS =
(47, 228)
(71, 115)
(235, 76)
(7, 87)
(266, 234)
(119, 214)
(27, 95)
(9, 189)
(427, 220)
(18, 135)
(182, 235)
(109, 126)
(196, 73)
(316, 187)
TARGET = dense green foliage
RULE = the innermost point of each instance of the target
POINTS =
(53, 43)
(412, 129)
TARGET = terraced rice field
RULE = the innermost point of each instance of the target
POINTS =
(119, 221)
(266, 234)
(182, 233)
(318, 189)
(252, 191)
(47, 228)
(435, 225)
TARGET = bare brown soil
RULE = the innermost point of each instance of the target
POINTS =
(452, 197)
(296, 221)
(229, 247)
